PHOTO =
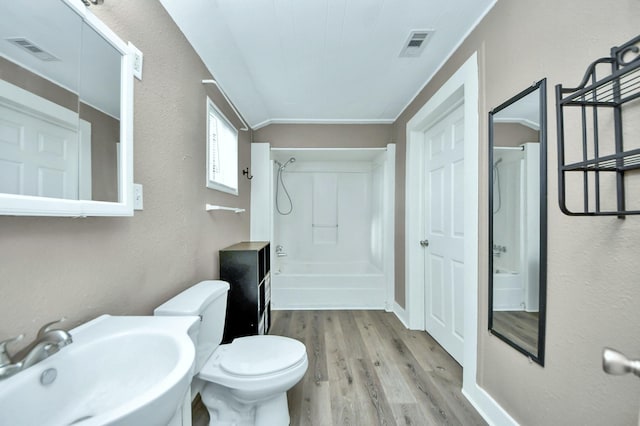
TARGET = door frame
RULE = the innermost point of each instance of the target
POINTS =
(462, 85)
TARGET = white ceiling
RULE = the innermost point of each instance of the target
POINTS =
(322, 60)
(525, 111)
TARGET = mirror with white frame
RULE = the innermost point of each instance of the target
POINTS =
(517, 221)
(66, 103)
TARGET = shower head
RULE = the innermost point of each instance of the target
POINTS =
(290, 160)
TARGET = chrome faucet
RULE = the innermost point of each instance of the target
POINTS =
(48, 341)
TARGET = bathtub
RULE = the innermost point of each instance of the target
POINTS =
(508, 291)
(337, 285)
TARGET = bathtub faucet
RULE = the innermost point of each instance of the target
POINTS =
(280, 251)
(498, 249)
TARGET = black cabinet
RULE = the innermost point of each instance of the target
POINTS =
(245, 266)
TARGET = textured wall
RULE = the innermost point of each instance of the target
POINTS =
(325, 135)
(593, 290)
(81, 268)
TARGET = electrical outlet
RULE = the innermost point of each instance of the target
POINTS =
(137, 197)
(137, 61)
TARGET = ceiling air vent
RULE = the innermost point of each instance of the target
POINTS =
(36, 51)
(414, 45)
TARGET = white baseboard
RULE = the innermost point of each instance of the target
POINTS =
(400, 313)
(488, 408)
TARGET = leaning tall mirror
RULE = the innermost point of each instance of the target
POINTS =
(517, 221)
(65, 108)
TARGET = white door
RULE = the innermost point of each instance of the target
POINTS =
(37, 157)
(444, 232)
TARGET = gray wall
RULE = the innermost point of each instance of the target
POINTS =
(513, 134)
(81, 268)
(593, 288)
(105, 134)
(325, 135)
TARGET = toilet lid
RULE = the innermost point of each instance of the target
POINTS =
(256, 355)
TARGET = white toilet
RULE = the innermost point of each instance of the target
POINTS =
(245, 382)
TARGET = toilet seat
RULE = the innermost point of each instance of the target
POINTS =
(260, 355)
(288, 357)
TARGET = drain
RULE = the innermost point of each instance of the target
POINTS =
(48, 376)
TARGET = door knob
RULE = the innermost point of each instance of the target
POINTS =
(424, 243)
(614, 362)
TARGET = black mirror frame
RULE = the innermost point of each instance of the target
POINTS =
(542, 85)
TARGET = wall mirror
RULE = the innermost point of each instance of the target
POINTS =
(66, 100)
(518, 221)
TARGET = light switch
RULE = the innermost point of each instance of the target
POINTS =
(137, 61)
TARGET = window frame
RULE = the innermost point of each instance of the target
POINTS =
(212, 182)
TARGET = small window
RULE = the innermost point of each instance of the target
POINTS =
(222, 151)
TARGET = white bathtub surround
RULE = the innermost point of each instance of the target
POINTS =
(338, 238)
(515, 256)
(324, 220)
(338, 285)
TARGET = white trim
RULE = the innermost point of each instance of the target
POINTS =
(85, 176)
(524, 121)
(400, 313)
(464, 82)
(265, 123)
(388, 203)
(22, 100)
(226, 98)
(487, 407)
(212, 183)
(446, 59)
(261, 217)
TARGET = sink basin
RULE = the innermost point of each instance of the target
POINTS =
(117, 371)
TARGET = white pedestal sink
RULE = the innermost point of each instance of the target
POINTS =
(117, 371)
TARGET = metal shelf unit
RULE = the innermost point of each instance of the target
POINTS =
(597, 106)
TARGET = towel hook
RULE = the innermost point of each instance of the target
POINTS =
(246, 172)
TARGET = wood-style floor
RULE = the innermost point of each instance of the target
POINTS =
(365, 369)
(520, 327)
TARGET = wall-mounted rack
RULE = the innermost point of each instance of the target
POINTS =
(595, 109)
(211, 207)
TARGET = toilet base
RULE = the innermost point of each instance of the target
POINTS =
(274, 411)
(225, 410)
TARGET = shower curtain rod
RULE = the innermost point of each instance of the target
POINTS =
(226, 98)
(510, 148)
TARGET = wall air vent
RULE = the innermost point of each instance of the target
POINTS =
(30, 47)
(415, 44)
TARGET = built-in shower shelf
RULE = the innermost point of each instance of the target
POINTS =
(211, 207)
(597, 106)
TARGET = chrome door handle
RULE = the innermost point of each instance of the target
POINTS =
(614, 362)
(424, 243)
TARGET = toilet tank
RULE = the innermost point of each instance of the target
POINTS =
(207, 299)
